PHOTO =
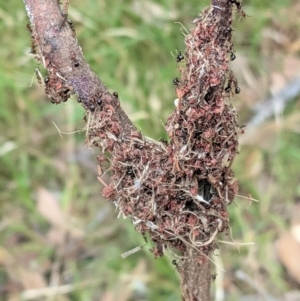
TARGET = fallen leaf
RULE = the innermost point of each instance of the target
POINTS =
(49, 208)
(288, 251)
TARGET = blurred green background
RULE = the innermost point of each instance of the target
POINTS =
(59, 240)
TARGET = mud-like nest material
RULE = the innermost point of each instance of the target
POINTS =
(178, 191)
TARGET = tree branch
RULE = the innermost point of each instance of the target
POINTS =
(177, 191)
(57, 48)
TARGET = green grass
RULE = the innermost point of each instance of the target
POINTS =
(129, 47)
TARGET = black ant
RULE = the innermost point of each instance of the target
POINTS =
(99, 101)
(237, 89)
(232, 56)
(163, 140)
(176, 266)
(116, 95)
(237, 3)
(74, 60)
(214, 276)
(130, 172)
(66, 93)
(33, 44)
(176, 81)
(38, 75)
(229, 29)
(70, 22)
(179, 57)
(181, 197)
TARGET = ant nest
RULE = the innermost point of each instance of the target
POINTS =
(178, 191)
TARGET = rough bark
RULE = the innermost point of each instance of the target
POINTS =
(175, 191)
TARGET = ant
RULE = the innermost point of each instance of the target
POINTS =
(229, 29)
(214, 276)
(232, 56)
(237, 89)
(228, 32)
(176, 266)
(176, 81)
(74, 60)
(38, 75)
(237, 3)
(227, 89)
(163, 140)
(130, 172)
(33, 44)
(239, 6)
(42, 81)
(70, 22)
(179, 57)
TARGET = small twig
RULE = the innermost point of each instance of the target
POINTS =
(236, 243)
(132, 251)
(219, 282)
(241, 275)
(247, 198)
(268, 107)
(32, 294)
(65, 133)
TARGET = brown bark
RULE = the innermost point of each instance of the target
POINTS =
(195, 278)
(177, 192)
(58, 49)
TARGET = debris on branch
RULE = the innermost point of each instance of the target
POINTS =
(175, 191)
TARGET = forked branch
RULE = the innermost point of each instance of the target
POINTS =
(175, 191)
